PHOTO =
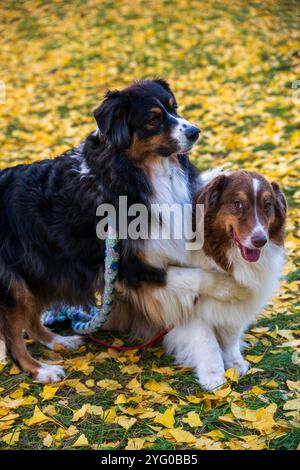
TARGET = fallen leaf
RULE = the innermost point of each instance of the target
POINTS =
(232, 375)
(81, 389)
(131, 369)
(38, 417)
(125, 422)
(254, 359)
(81, 441)
(292, 404)
(135, 443)
(47, 441)
(181, 436)
(109, 384)
(48, 392)
(79, 414)
(12, 438)
(166, 419)
(192, 419)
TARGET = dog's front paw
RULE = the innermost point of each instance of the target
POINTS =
(211, 380)
(49, 374)
(67, 342)
(228, 290)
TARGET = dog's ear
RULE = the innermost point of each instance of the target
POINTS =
(280, 201)
(112, 119)
(276, 229)
(162, 82)
(210, 195)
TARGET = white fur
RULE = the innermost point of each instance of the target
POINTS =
(258, 228)
(210, 340)
(48, 373)
(84, 169)
(68, 342)
(178, 133)
(170, 187)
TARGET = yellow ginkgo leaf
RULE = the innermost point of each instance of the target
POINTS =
(125, 422)
(109, 416)
(254, 359)
(293, 385)
(109, 384)
(81, 389)
(95, 410)
(17, 393)
(121, 399)
(29, 400)
(134, 384)
(79, 414)
(38, 417)
(81, 441)
(72, 430)
(48, 392)
(292, 404)
(193, 399)
(90, 383)
(232, 375)
(14, 370)
(11, 438)
(159, 387)
(9, 417)
(135, 443)
(192, 419)
(181, 436)
(132, 369)
(166, 419)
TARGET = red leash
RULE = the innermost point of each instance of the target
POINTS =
(130, 348)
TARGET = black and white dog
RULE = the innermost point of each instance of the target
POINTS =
(49, 251)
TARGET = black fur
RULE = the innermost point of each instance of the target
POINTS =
(48, 209)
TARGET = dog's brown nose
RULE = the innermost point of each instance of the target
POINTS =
(259, 240)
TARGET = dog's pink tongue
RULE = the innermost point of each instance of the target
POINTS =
(250, 255)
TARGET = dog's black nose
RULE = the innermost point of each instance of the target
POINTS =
(259, 240)
(192, 133)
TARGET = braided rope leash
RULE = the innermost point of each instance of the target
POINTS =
(86, 323)
(82, 322)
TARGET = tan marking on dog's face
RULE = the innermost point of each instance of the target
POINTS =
(145, 149)
(172, 103)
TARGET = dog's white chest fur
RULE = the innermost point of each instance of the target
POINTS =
(171, 193)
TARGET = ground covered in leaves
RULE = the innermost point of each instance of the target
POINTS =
(232, 65)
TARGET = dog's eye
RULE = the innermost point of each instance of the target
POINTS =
(154, 118)
(238, 205)
(267, 206)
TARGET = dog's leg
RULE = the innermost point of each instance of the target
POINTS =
(13, 325)
(218, 285)
(43, 335)
(194, 345)
(230, 340)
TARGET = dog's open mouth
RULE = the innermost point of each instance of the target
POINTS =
(250, 255)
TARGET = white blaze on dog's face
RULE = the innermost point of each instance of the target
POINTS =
(246, 211)
(184, 133)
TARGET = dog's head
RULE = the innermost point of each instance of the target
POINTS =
(245, 211)
(143, 121)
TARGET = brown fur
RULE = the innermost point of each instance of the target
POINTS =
(24, 316)
(221, 217)
(142, 150)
